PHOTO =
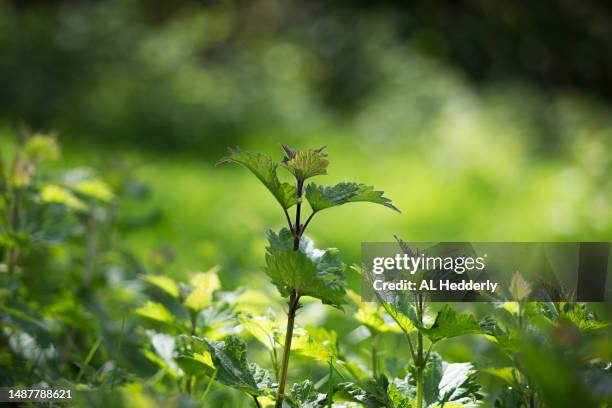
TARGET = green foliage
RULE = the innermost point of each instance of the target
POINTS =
(155, 311)
(321, 197)
(445, 384)
(371, 393)
(304, 395)
(230, 359)
(375, 317)
(308, 271)
(137, 336)
(264, 168)
(317, 343)
(304, 164)
(448, 323)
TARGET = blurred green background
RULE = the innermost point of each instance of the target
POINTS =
(483, 121)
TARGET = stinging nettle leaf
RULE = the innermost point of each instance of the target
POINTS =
(264, 168)
(375, 318)
(317, 343)
(304, 395)
(308, 271)
(155, 311)
(230, 359)
(372, 393)
(164, 283)
(444, 384)
(449, 323)
(322, 197)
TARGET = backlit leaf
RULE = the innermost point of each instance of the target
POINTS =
(164, 283)
(94, 188)
(519, 287)
(308, 271)
(203, 284)
(450, 323)
(321, 197)
(264, 168)
(52, 193)
(374, 317)
(317, 343)
(155, 311)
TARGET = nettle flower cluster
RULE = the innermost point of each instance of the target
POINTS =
(293, 263)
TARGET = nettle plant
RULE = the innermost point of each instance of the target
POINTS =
(293, 263)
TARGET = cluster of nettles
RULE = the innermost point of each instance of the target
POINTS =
(293, 264)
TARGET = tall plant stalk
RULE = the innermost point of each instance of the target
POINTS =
(294, 300)
(420, 357)
(298, 270)
(293, 306)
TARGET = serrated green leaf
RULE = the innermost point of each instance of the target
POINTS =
(264, 168)
(444, 384)
(432, 375)
(164, 283)
(373, 317)
(263, 328)
(370, 393)
(155, 311)
(400, 312)
(579, 315)
(308, 271)
(304, 395)
(449, 323)
(230, 358)
(399, 397)
(304, 164)
(320, 197)
(317, 343)
(458, 383)
(505, 339)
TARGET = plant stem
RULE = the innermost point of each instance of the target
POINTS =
(257, 404)
(293, 306)
(307, 222)
(297, 233)
(330, 384)
(374, 357)
(288, 221)
(210, 384)
(420, 363)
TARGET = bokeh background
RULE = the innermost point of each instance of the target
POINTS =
(481, 120)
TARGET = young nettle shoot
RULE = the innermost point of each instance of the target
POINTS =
(294, 265)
